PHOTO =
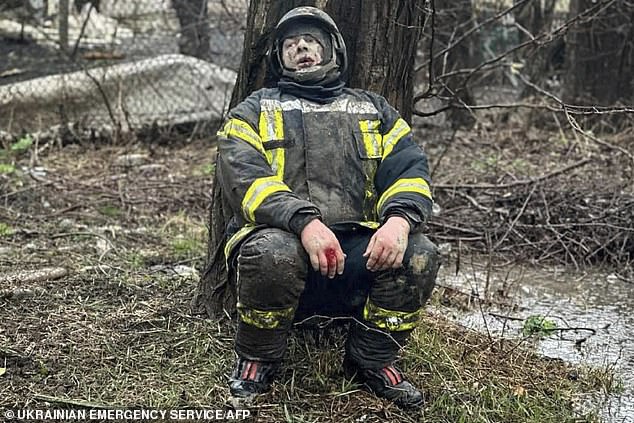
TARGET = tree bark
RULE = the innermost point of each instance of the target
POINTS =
(192, 16)
(63, 26)
(600, 55)
(79, 4)
(381, 39)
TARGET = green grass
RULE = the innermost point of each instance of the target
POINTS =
(23, 144)
(5, 230)
(109, 210)
(186, 237)
(184, 248)
(6, 168)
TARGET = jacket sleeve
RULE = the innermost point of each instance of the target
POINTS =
(402, 178)
(249, 183)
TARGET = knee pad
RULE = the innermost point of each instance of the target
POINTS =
(422, 261)
(271, 270)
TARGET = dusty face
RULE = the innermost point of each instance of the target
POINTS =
(301, 52)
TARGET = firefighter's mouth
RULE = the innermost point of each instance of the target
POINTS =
(305, 62)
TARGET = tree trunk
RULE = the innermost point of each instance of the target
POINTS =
(195, 38)
(600, 55)
(381, 39)
(79, 4)
(453, 19)
(63, 26)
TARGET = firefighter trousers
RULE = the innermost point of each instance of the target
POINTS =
(277, 286)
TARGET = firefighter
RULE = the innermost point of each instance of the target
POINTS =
(328, 193)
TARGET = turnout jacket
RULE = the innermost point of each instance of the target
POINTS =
(351, 161)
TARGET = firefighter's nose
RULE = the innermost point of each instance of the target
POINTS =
(302, 44)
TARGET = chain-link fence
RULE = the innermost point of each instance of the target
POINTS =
(116, 66)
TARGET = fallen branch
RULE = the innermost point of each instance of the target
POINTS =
(78, 403)
(516, 183)
(30, 276)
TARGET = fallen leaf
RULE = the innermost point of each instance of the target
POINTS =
(519, 391)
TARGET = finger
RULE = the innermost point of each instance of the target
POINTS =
(393, 261)
(341, 261)
(332, 257)
(314, 261)
(370, 246)
(323, 264)
(398, 261)
(332, 266)
(384, 259)
(374, 255)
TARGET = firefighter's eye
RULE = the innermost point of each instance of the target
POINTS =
(289, 42)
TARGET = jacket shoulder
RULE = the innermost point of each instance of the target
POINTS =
(362, 94)
(249, 108)
(387, 112)
(378, 100)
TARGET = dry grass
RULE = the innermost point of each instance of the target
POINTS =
(117, 332)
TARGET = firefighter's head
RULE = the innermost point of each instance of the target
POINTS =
(307, 47)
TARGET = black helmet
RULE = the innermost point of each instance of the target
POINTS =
(336, 60)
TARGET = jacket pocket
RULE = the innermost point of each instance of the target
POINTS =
(369, 139)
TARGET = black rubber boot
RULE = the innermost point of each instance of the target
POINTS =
(387, 382)
(251, 378)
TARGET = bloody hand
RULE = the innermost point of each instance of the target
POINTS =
(324, 251)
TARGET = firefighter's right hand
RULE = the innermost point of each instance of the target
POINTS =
(322, 246)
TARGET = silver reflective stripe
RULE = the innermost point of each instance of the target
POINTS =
(259, 190)
(341, 105)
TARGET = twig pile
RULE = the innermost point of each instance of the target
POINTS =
(573, 221)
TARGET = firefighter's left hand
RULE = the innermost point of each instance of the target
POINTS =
(387, 246)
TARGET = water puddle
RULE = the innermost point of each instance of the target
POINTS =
(596, 309)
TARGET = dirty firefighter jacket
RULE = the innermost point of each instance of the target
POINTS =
(350, 160)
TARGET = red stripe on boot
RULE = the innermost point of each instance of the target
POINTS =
(245, 372)
(389, 375)
(397, 374)
(253, 372)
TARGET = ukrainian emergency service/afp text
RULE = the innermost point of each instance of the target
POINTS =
(127, 415)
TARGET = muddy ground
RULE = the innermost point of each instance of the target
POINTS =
(118, 235)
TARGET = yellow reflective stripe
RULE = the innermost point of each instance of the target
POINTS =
(371, 225)
(242, 130)
(417, 185)
(265, 319)
(259, 190)
(265, 125)
(398, 131)
(390, 320)
(277, 162)
(372, 139)
(271, 127)
(236, 238)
